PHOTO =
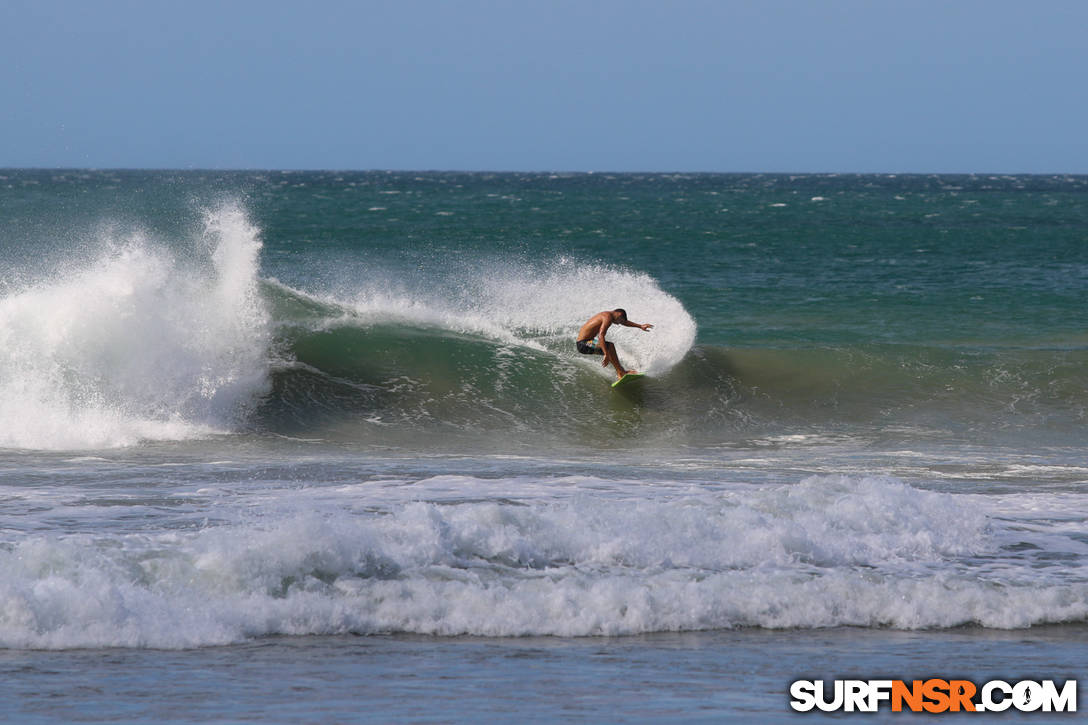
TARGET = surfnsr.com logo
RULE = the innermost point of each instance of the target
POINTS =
(933, 695)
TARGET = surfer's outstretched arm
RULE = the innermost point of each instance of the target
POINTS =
(644, 327)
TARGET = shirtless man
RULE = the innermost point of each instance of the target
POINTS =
(595, 327)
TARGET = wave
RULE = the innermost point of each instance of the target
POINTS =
(387, 380)
(498, 357)
(482, 353)
(136, 342)
(153, 339)
(139, 341)
(824, 552)
(940, 391)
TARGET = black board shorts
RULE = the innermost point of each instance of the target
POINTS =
(588, 347)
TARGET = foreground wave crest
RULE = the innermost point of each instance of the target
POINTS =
(829, 551)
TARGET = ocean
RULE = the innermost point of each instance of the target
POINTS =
(318, 446)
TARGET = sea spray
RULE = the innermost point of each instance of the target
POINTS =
(554, 304)
(536, 305)
(138, 343)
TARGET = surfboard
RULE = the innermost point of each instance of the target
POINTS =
(628, 378)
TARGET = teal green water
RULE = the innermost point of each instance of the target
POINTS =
(754, 258)
(311, 430)
(952, 305)
(757, 259)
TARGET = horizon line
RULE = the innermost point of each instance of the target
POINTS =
(568, 172)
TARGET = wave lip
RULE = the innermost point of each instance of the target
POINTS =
(137, 344)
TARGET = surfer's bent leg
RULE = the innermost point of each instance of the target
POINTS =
(610, 356)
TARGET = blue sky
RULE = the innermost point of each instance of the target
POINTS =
(989, 86)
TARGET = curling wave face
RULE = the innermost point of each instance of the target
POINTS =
(491, 352)
(385, 365)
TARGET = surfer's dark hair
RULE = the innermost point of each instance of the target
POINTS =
(623, 312)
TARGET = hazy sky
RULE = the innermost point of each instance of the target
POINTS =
(621, 85)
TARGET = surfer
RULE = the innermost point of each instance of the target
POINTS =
(596, 327)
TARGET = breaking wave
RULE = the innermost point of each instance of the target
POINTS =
(164, 340)
(137, 343)
(827, 551)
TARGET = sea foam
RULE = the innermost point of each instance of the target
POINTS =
(828, 551)
(136, 343)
